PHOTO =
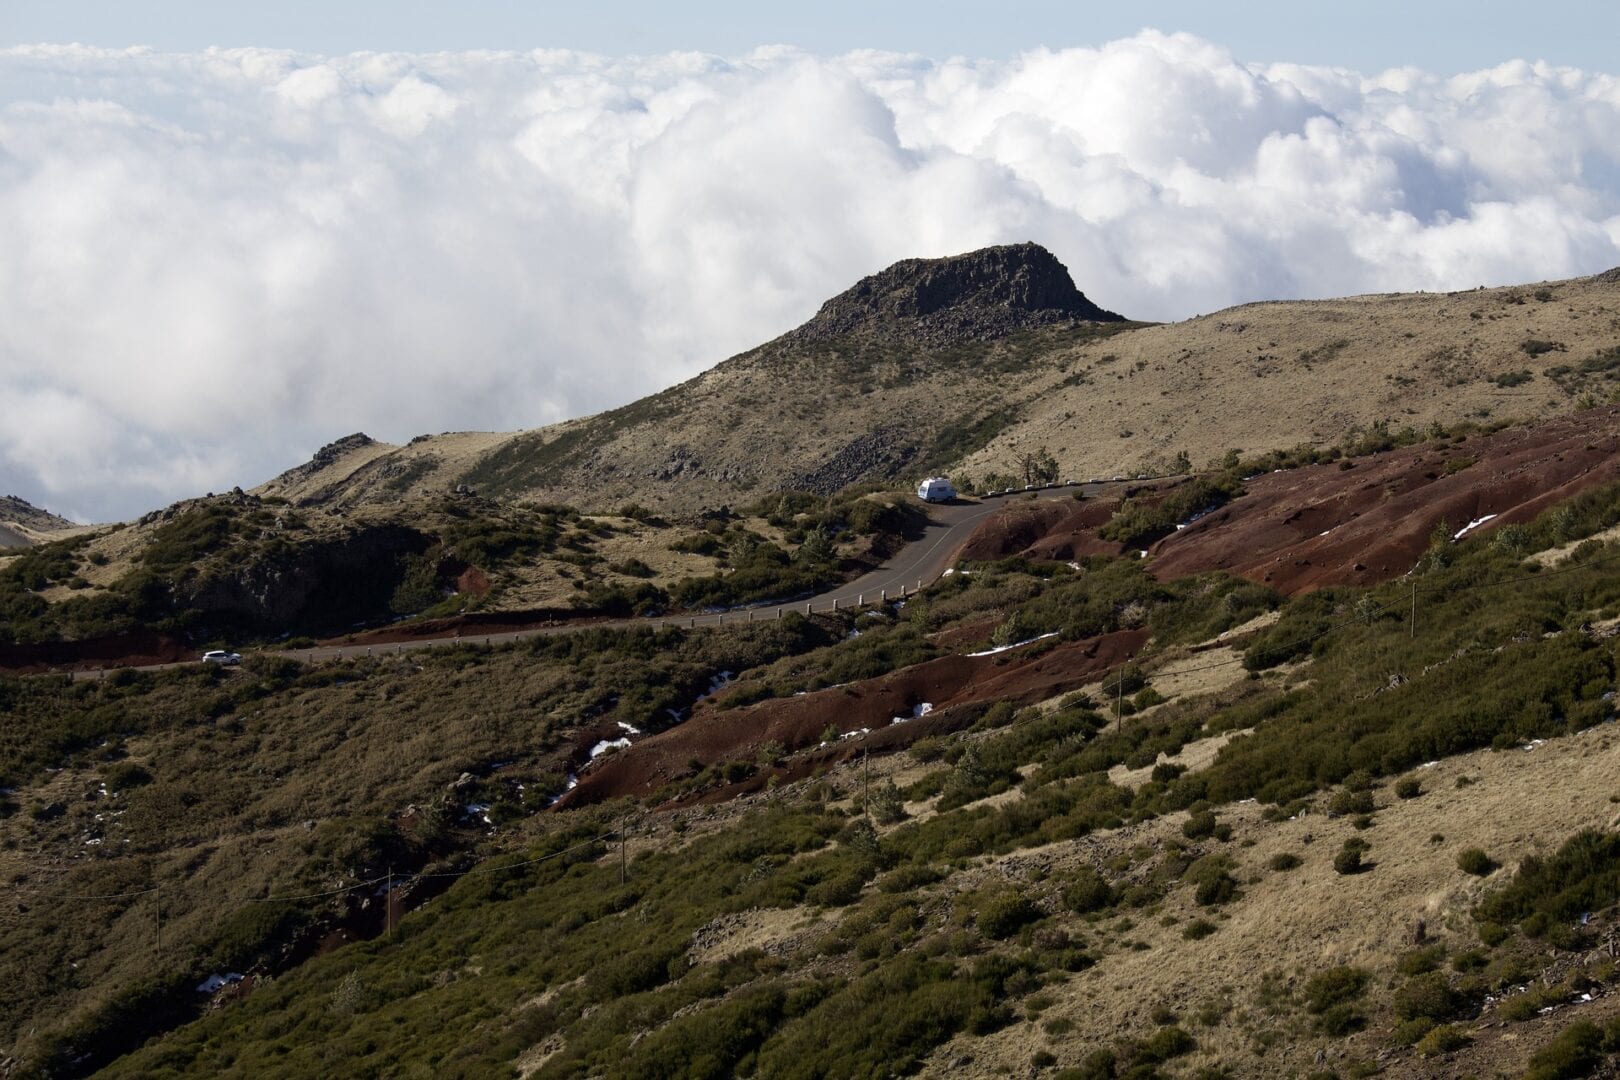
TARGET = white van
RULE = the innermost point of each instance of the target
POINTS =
(936, 489)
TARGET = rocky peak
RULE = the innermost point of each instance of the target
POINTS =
(981, 295)
(26, 514)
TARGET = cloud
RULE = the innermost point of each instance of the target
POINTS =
(214, 262)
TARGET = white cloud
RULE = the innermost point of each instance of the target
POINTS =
(210, 263)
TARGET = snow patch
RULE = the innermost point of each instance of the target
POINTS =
(608, 744)
(629, 729)
(1476, 523)
(214, 982)
(917, 713)
(1019, 645)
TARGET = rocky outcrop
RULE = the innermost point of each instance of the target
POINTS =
(322, 585)
(1608, 277)
(980, 296)
(883, 453)
(326, 456)
(21, 512)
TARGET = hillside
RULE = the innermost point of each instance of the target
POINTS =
(1069, 814)
(243, 568)
(976, 363)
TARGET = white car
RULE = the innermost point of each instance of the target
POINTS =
(220, 656)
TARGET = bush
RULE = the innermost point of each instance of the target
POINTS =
(1198, 929)
(1474, 861)
(1442, 1040)
(1347, 802)
(1335, 986)
(1088, 891)
(1284, 860)
(1577, 1051)
(124, 775)
(1349, 858)
(1583, 875)
(1005, 913)
(1429, 996)
(1408, 788)
(1212, 880)
(1199, 825)
(1166, 1043)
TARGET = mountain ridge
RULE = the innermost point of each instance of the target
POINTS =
(812, 409)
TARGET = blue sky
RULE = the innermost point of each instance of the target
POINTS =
(1443, 36)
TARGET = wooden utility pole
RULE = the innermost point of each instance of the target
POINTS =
(1119, 705)
(388, 905)
(1411, 626)
(158, 907)
(624, 863)
(866, 781)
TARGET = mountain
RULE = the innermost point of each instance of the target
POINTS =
(22, 524)
(972, 363)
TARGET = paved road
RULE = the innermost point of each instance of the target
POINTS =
(914, 567)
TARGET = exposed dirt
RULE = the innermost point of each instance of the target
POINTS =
(1049, 529)
(1359, 521)
(883, 708)
(130, 650)
(1327, 525)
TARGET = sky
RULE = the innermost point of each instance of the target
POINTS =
(230, 233)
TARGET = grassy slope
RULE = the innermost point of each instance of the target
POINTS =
(1040, 900)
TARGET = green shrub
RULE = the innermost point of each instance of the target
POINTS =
(1334, 986)
(124, 775)
(1166, 1043)
(1408, 1032)
(1443, 1040)
(1212, 880)
(1475, 861)
(1284, 860)
(1199, 825)
(1198, 929)
(1577, 1051)
(1583, 875)
(1429, 995)
(1349, 858)
(1408, 788)
(1088, 891)
(1005, 913)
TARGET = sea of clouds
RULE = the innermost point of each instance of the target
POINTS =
(211, 263)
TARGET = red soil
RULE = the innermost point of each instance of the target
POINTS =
(1050, 529)
(1020, 676)
(1325, 525)
(144, 649)
(1357, 522)
(473, 582)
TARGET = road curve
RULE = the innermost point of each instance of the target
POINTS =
(913, 567)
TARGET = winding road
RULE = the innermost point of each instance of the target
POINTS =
(913, 567)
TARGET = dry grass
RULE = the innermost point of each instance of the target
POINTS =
(1257, 377)
(1300, 921)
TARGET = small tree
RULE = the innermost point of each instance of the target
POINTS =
(888, 805)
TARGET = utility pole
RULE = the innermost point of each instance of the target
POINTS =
(158, 906)
(624, 864)
(1411, 626)
(388, 905)
(866, 782)
(1119, 704)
